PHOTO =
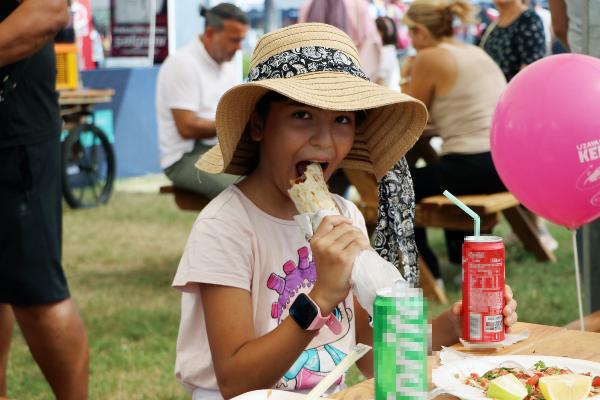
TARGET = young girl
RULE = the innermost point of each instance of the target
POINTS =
(259, 300)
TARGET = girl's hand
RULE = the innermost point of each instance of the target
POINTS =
(335, 245)
(509, 312)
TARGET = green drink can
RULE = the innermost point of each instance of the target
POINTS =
(400, 343)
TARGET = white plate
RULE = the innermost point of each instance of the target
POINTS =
(270, 394)
(451, 376)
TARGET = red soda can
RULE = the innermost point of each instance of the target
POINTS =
(483, 289)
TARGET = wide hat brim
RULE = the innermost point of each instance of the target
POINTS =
(394, 120)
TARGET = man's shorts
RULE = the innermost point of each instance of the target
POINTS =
(31, 224)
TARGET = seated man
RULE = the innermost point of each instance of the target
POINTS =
(188, 89)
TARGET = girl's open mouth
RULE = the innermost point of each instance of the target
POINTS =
(301, 168)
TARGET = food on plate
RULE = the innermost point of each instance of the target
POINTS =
(506, 387)
(566, 387)
(309, 191)
(531, 379)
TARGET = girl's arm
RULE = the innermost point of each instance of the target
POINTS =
(243, 361)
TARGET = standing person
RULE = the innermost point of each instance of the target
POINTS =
(389, 67)
(356, 22)
(460, 84)
(33, 287)
(261, 305)
(516, 38)
(576, 24)
(190, 83)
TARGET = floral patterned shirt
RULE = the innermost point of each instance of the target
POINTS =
(520, 43)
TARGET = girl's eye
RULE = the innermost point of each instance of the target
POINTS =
(301, 115)
(342, 119)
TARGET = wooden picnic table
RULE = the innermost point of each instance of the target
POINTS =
(77, 104)
(543, 341)
(85, 96)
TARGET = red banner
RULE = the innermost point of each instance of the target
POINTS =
(82, 24)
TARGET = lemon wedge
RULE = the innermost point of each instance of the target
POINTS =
(565, 387)
(506, 387)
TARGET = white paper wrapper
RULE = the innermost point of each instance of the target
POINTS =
(509, 339)
(370, 272)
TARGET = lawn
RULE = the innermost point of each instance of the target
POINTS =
(120, 259)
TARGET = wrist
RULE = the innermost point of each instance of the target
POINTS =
(325, 304)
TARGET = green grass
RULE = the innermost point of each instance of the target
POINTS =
(121, 258)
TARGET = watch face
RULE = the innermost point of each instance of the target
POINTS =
(303, 311)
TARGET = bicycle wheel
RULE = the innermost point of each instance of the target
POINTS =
(88, 167)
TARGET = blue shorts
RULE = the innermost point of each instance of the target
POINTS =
(31, 224)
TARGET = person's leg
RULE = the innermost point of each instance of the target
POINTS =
(467, 174)
(37, 288)
(184, 174)
(6, 330)
(426, 183)
(58, 342)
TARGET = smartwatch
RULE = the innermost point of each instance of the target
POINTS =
(307, 315)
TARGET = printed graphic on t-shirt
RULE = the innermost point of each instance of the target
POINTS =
(322, 354)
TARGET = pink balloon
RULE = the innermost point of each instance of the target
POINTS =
(545, 138)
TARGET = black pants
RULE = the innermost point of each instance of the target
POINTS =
(31, 224)
(460, 174)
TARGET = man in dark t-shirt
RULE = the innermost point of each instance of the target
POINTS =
(33, 287)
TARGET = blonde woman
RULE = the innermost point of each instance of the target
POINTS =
(460, 85)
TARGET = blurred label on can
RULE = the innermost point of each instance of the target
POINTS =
(400, 343)
(483, 289)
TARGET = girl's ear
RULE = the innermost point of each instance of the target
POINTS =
(256, 125)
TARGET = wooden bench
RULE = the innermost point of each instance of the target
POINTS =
(440, 212)
(591, 322)
(186, 199)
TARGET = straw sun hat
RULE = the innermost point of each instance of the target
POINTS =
(317, 65)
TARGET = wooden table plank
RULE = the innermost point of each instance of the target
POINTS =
(85, 96)
(483, 203)
(543, 340)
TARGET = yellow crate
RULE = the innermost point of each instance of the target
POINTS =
(67, 73)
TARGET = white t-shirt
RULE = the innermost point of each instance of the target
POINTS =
(234, 243)
(389, 68)
(189, 80)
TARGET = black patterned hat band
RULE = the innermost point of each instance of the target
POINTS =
(303, 60)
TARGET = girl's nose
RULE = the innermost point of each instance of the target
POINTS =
(323, 136)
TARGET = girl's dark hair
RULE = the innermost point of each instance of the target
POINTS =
(263, 107)
(387, 27)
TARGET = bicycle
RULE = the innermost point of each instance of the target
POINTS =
(88, 160)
